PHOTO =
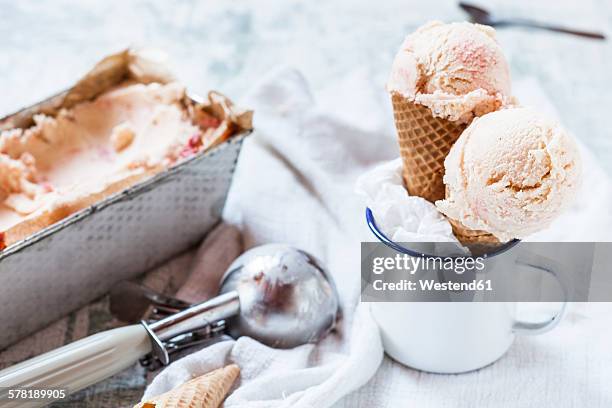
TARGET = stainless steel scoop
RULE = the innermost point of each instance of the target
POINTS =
(274, 293)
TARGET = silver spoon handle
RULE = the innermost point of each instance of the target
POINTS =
(535, 24)
(78, 364)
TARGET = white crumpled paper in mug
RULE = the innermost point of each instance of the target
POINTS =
(400, 216)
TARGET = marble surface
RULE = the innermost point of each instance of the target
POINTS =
(230, 45)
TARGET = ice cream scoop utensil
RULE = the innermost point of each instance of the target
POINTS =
(277, 294)
(482, 16)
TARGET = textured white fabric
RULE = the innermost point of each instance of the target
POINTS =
(294, 183)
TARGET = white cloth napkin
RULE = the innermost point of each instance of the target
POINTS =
(294, 184)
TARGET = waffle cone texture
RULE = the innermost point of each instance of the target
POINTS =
(424, 142)
(206, 391)
(469, 236)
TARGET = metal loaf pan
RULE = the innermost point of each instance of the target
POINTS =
(68, 264)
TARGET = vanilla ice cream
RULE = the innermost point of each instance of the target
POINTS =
(457, 70)
(510, 173)
(96, 148)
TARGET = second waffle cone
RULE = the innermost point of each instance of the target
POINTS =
(469, 236)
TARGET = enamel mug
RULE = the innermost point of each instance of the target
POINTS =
(455, 337)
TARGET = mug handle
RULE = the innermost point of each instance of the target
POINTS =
(533, 328)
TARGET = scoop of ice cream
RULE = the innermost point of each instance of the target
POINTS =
(458, 70)
(128, 130)
(18, 188)
(510, 173)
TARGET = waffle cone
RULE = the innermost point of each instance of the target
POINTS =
(478, 242)
(206, 391)
(424, 142)
(469, 236)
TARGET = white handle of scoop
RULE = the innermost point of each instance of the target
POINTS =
(77, 365)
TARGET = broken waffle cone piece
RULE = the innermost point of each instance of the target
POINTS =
(206, 391)
(424, 142)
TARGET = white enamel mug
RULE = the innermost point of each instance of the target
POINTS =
(456, 337)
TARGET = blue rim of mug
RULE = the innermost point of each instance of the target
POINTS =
(402, 249)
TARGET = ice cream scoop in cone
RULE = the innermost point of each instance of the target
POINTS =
(511, 173)
(442, 77)
(206, 391)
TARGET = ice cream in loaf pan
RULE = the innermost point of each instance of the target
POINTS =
(132, 122)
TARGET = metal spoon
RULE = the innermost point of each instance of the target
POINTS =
(275, 293)
(482, 16)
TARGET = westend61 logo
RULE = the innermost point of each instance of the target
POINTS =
(412, 264)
